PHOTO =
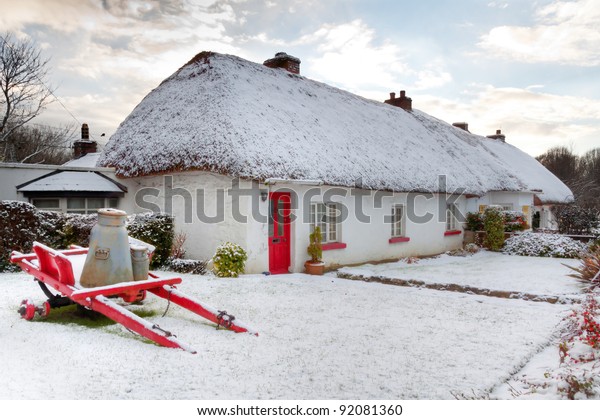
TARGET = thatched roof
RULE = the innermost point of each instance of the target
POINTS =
(224, 114)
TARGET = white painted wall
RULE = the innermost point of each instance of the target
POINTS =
(517, 199)
(370, 241)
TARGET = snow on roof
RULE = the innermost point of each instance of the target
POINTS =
(71, 181)
(224, 114)
(88, 160)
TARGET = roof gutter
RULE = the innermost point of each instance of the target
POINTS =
(273, 181)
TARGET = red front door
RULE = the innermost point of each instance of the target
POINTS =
(279, 232)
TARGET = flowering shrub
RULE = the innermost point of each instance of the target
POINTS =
(474, 222)
(543, 245)
(579, 352)
(229, 260)
(514, 221)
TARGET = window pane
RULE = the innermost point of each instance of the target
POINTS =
(113, 203)
(332, 228)
(95, 203)
(75, 203)
(280, 209)
(46, 203)
(271, 228)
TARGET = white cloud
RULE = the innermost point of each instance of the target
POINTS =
(351, 56)
(566, 32)
(533, 121)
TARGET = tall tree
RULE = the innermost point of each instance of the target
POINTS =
(24, 90)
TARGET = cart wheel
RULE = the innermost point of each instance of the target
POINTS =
(44, 309)
(27, 309)
(140, 296)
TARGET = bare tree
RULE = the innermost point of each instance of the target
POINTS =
(42, 144)
(24, 91)
(580, 173)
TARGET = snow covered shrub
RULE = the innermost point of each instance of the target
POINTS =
(493, 224)
(576, 220)
(180, 265)
(19, 227)
(543, 245)
(474, 221)
(156, 229)
(60, 230)
(471, 248)
(229, 260)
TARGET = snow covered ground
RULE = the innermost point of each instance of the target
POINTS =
(486, 270)
(320, 338)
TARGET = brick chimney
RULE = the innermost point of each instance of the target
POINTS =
(85, 145)
(462, 126)
(497, 136)
(284, 61)
(403, 101)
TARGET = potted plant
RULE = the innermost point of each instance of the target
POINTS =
(315, 266)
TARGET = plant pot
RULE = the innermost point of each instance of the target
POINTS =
(315, 269)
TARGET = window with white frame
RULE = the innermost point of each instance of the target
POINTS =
(398, 220)
(451, 217)
(81, 205)
(506, 207)
(327, 217)
(52, 204)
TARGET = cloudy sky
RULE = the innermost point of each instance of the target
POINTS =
(530, 68)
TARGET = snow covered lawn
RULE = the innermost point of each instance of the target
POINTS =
(486, 270)
(320, 338)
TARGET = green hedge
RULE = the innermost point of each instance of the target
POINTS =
(21, 224)
(156, 229)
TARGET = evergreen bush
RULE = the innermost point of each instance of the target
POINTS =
(493, 224)
(229, 260)
(315, 250)
(19, 226)
(156, 229)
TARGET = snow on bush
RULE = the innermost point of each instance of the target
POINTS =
(229, 260)
(156, 229)
(19, 227)
(21, 223)
(543, 245)
(181, 265)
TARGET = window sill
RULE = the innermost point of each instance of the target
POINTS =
(452, 232)
(399, 239)
(333, 245)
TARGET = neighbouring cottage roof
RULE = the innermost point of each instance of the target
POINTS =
(72, 181)
(88, 160)
(224, 114)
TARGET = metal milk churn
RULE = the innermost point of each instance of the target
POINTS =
(140, 261)
(109, 257)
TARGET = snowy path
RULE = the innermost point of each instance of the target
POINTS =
(320, 338)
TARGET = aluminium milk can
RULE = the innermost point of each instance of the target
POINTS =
(140, 262)
(109, 257)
